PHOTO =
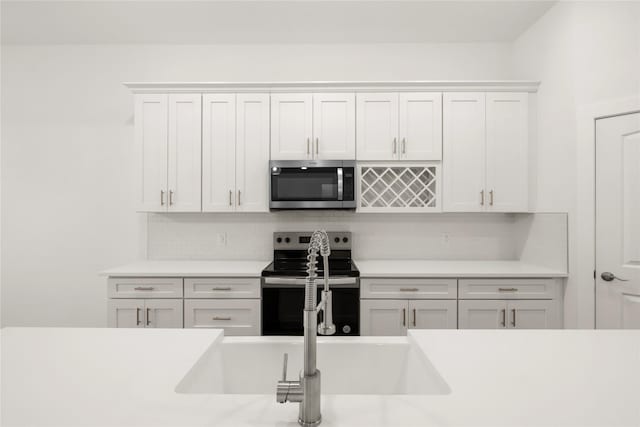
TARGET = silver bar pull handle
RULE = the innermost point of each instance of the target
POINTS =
(414, 317)
(221, 318)
(148, 316)
(395, 141)
(308, 149)
(409, 289)
(340, 184)
(239, 200)
(143, 288)
(230, 196)
(161, 197)
(317, 145)
(404, 317)
(491, 198)
(507, 289)
(513, 317)
(170, 197)
(138, 309)
(404, 145)
(221, 289)
(482, 198)
(504, 318)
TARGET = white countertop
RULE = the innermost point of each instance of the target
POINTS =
(251, 268)
(127, 377)
(429, 268)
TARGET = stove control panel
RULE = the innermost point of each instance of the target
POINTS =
(338, 240)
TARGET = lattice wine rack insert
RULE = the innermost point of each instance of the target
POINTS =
(398, 187)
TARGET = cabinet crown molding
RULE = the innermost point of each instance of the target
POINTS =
(338, 86)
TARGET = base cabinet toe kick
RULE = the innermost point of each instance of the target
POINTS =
(388, 306)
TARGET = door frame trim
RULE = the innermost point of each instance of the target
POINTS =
(583, 237)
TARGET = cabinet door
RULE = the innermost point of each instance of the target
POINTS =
(533, 314)
(125, 313)
(291, 126)
(185, 152)
(218, 152)
(334, 121)
(507, 181)
(463, 162)
(377, 126)
(433, 314)
(163, 313)
(383, 317)
(420, 124)
(151, 127)
(482, 314)
(252, 153)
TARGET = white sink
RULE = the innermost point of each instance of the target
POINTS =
(348, 365)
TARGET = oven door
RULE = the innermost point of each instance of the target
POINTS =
(283, 302)
(312, 185)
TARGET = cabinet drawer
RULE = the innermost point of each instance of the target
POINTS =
(220, 287)
(409, 288)
(508, 289)
(139, 287)
(236, 317)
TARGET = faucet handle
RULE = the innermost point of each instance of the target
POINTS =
(284, 366)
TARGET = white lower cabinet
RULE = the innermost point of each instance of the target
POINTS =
(512, 314)
(235, 316)
(145, 313)
(394, 317)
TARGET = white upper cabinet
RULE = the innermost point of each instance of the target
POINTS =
(151, 126)
(185, 145)
(291, 126)
(485, 152)
(308, 126)
(507, 151)
(399, 126)
(252, 152)
(420, 121)
(235, 150)
(167, 135)
(334, 134)
(464, 150)
(377, 126)
(218, 152)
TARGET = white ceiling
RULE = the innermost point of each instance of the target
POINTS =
(206, 22)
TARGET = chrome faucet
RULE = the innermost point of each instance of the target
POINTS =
(306, 390)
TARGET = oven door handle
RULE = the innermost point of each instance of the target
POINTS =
(296, 282)
(340, 184)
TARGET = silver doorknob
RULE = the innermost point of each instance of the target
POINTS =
(607, 276)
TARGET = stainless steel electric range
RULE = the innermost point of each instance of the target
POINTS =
(283, 284)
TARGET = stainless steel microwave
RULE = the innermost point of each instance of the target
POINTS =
(312, 184)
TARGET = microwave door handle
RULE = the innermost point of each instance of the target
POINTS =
(340, 184)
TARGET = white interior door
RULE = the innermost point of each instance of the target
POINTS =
(151, 127)
(420, 124)
(218, 152)
(507, 182)
(463, 159)
(618, 222)
(386, 317)
(334, 133)
(185, 152)
(252, 153)
(291, 126)
(377, 126)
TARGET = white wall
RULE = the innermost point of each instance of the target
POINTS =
(583, 52)
(67, 170)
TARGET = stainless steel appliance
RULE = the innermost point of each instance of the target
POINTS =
(312, 184)
(283, 284)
